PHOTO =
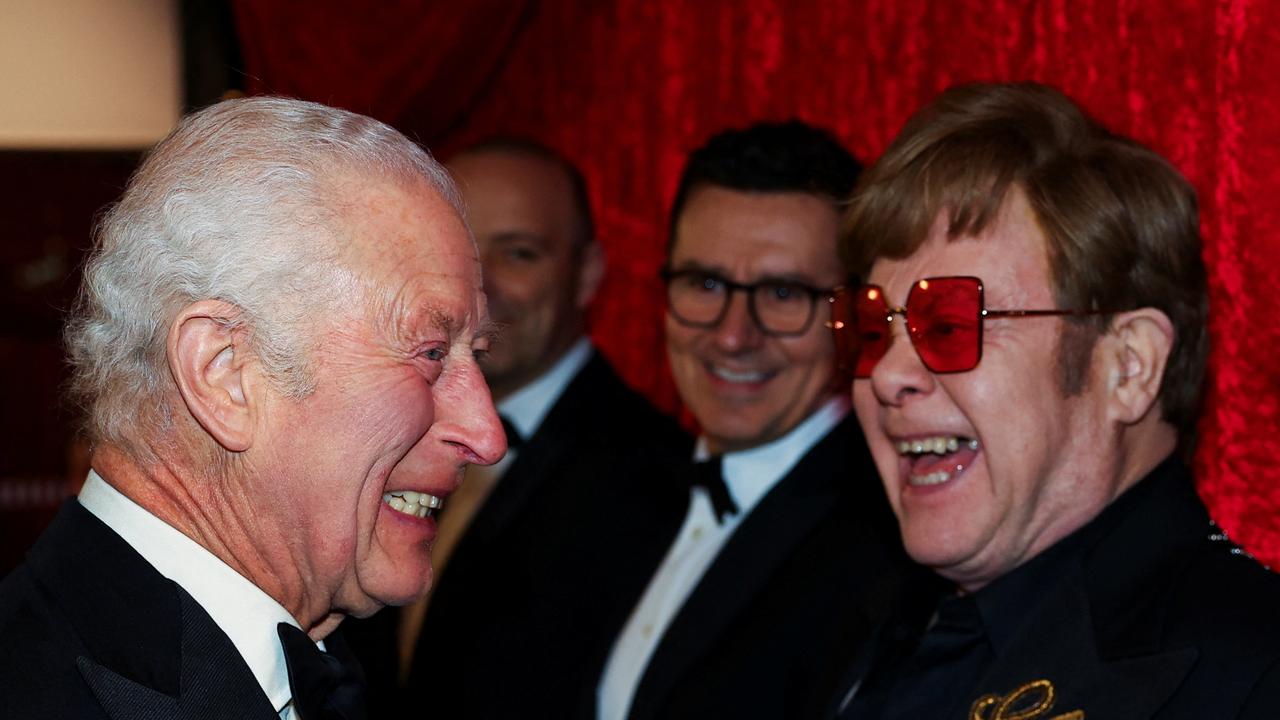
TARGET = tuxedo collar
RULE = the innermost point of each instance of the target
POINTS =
(764, 541)
(750, 474)
(151, 651)
(100, 584)
(241, 609)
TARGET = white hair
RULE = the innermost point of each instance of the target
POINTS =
(240, 203)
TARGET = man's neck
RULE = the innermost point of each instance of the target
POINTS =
(207, 511)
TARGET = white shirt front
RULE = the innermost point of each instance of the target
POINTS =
(241, 609)
(749, 475)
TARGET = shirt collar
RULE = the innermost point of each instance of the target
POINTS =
(751, 474)
(528, 406)
(241, 609)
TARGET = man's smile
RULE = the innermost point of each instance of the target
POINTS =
(931, 460)
(418, 504)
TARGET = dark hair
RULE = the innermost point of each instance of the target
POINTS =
(1121, 224)
(584, 226)
(792, 156)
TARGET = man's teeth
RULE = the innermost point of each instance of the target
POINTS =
(933, 478)
(413, 503)
(938, 445)
(745, 376)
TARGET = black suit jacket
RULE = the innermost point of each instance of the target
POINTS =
(798, 586)
(88, 629)
(522, 617)
(1161, 618)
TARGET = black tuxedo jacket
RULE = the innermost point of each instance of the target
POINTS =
(1160, 618)
(799, 585)
(521, 619)
(88, 629)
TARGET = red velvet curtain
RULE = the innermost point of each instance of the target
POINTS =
(627, 87)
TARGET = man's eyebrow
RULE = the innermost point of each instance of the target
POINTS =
(442, 320)
(489, 331)
(407, 322)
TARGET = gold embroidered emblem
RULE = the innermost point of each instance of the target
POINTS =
(1032, 701)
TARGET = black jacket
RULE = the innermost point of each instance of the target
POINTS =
(89, 629)
(1154, 615)
(798, 586)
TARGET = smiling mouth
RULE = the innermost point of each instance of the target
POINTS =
(739, 376)
(936, 459)
(417, 504)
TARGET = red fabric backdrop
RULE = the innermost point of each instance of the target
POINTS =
(627, 87)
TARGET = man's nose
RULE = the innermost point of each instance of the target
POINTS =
(473, 424)
(900, 374)
(737, 330)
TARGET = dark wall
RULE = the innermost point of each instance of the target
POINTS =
(48, 204)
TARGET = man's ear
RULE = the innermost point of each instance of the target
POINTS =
(1137, 349)
(208, 355)
(590, 273)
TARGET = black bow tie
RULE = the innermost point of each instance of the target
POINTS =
(325, 686)
(514, 440)
(709, 474)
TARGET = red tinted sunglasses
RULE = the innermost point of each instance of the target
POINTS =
(944, 320)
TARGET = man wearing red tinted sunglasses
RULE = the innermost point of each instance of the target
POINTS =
(1028, 350)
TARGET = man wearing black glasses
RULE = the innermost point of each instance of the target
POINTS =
(787, 544)
(1028, 352)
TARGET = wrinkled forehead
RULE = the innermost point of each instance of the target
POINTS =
(407, 247)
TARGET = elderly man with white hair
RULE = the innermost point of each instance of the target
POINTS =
(275, 347)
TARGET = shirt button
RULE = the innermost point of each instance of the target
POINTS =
(648, 631)
(697, 533)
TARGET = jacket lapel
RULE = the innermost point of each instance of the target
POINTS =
(215, 683)
(759, 546)
(150, 650)
(1058, 660)
(1099, 636)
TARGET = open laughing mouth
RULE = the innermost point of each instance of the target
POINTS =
(936, 459)
(417, 504)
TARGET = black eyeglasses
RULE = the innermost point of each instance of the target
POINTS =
(779, 307)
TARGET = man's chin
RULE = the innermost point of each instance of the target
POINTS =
(396, 591)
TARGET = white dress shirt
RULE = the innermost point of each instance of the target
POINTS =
(749, 475)
(241, 609)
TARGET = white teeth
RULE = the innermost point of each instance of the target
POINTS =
(937, 445)
(739, 377)
(409, 502)
(933, 478)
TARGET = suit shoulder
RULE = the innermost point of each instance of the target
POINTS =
(1228, 601)
(38, 657)
(609, 412)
